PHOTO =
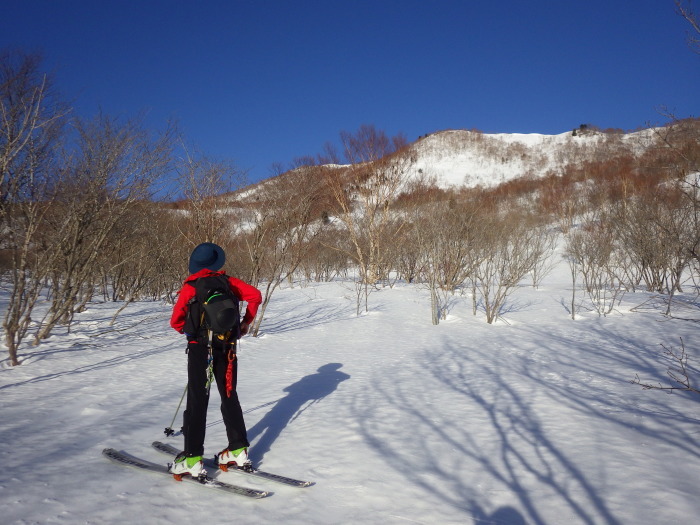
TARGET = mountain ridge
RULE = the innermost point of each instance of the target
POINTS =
(462, 158)
(456, 159)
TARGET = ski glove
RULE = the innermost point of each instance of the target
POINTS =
(244, 328)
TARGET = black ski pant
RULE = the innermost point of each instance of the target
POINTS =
(195, 416)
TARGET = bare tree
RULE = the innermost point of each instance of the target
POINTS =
(30, 128)
(511, 252)
(364, 193)
(658, 235)
(407, 257)
(322, 263)
(111, 171)
(445, 240)
(204, 183)
(685, 9)
(133, 263)
(172, 267)
(594, 251)
(290, 224)
(686, 165)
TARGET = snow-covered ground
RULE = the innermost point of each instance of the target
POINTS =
(531, 420)
(458, 158)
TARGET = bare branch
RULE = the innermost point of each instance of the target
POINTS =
(679, 372)
(684, 8)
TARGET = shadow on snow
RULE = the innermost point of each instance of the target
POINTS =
(300, 396)
(514, 447)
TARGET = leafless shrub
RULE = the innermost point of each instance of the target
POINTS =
(203, 182)
(283, 229)
(321, 263)
(112, 170)
(138, 263)
(679, 372)
(363, 195)
(444, 241)
(510, 252)
(592, 253)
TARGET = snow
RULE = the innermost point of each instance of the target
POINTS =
(530, 420)
(457, 158)
(461, 158)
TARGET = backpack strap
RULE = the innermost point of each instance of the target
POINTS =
(194, 318)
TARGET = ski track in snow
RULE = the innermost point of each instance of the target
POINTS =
(530, 420)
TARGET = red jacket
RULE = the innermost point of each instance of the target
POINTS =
(243, 290)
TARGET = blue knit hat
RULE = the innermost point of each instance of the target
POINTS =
(207, 255)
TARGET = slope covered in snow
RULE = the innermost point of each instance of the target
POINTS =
(468, 158)
(462, 158)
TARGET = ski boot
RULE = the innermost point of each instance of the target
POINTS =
(183, 465)
(234, 458)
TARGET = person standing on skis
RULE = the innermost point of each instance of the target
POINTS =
(204, 350)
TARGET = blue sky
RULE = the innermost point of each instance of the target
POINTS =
(261, 82)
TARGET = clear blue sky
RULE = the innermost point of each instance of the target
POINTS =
(261, 82)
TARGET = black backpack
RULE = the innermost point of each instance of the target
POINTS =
(214, 307)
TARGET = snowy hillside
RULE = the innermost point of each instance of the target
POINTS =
(456, 158)
(531, 420)
(466, 158)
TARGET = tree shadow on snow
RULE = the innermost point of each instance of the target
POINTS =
(322, 315)
(99, 364)
(300, 396)
(94, 333)
(584, 388)
(515, 448)
(518, 451)
(509, 306)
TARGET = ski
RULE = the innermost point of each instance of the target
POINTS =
(211, 463)
(128, 460)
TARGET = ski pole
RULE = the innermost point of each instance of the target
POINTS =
(169, 430)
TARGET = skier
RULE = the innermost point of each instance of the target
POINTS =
(206, 260)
